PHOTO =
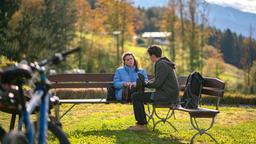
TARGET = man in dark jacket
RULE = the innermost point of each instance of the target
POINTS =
(165, 84)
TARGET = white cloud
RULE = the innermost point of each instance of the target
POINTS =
(243, 5)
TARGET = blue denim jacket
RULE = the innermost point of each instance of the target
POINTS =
(125, 74)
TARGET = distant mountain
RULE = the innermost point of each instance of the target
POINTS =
(221, 17)
(236, 20)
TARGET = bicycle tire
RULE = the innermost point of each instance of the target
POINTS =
(57, 132)
(15, 137)
(2, 133)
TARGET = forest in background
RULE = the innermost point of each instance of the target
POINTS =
(35, 29)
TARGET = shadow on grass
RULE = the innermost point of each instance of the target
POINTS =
(126, 136)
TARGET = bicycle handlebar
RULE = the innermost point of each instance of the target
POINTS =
(58, 57)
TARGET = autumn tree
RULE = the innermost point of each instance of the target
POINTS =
(181, 31)
(192, 11)
(204, 31)
(247, 60)
(253, 77)
(214, 66)
(120, 18)
(168, 24)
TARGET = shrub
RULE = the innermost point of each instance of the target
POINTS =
(4, 62)
(233, 99)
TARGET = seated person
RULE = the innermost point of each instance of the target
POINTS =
(126, 76)
(165, 85)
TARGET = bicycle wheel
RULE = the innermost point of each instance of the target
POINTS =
(55, 134)
(2, 133)
(15, 137)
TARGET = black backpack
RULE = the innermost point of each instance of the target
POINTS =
(192, 92)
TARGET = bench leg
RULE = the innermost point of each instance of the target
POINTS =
(57, 111)
(12, 123)
(169, 114)
(150, 115)
(67, 111)
(201, 131)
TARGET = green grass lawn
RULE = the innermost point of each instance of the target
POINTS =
(107, 124)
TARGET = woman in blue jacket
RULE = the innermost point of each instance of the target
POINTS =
(127, 75)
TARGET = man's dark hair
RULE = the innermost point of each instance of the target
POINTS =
(155, 50)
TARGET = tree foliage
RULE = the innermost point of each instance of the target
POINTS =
(38, 28)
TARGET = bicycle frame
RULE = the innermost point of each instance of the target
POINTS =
(40, 97)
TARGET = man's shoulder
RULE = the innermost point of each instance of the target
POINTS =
(161, 63)
(164, 63)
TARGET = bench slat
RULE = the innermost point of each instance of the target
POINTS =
(213, 83)
(81, 77)
(212, 92)
(81, 85)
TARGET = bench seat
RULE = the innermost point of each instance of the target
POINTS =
(200, 112)
(83, 101)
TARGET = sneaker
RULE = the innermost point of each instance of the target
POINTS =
(138, 128)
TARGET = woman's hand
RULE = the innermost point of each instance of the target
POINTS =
(126, 84)
(129, 84)
(133, 84)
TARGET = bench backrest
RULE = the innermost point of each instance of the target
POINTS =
(81, 80)
(89, 80)
(211, 86)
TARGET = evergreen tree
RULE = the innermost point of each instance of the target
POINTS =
(228, 47)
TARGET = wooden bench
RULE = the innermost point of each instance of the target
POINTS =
(212, 87)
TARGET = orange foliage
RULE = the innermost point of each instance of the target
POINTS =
(214, 65)
(89, 20)
(120, 15)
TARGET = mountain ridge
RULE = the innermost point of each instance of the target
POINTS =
(220, 16)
